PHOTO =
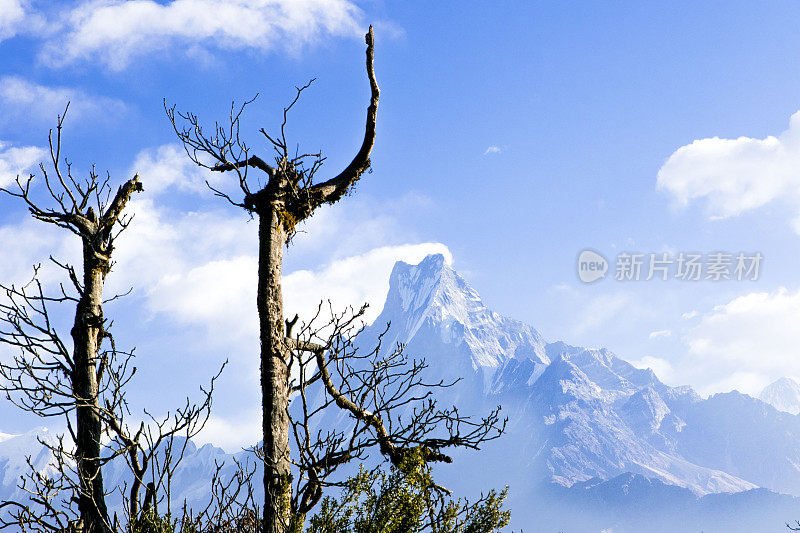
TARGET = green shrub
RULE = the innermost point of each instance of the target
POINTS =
(406, 500)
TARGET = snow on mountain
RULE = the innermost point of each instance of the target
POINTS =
(429, 304)
(603, 417)
(782, 394)
(14, 453)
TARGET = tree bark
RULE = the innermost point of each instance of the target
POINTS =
(274, 371)
(87, 336)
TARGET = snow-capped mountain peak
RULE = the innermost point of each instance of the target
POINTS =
(431, 304)
(782, 394)
(432, 287)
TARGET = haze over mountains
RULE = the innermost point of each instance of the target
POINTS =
(585, 424)
(593, 443)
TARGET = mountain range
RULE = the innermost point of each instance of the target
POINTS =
(593, 443)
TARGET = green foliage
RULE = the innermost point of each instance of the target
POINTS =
(406, 500)
(152, 522)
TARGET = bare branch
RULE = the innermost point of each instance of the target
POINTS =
(332, 190)
(252, 161)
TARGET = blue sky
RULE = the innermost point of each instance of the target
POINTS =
(511, 134)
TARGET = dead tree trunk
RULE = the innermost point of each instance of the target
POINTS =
(274, 370)
(97, 234)
(288, 198)
(87, 335)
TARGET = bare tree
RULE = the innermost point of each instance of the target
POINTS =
(86, 208)
(85, 386)
(290, 195)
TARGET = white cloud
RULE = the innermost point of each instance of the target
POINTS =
(219, 294)
(662, 368)
(17, 161)
(114, 32)
(31, 242)
(168, 166)
(493, 150)
(660, 333)
(201, 269)
(234, 433)
(21, 98)
(563, 287)
(12, 13)
(749, 338)
(603, 308)
(353, 280)
(751, 383)
(734, 176)
(16, 17)
(195, 267)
